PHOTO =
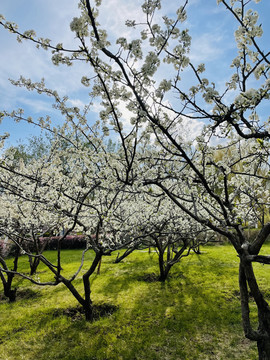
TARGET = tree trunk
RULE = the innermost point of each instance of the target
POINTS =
(197, 250)
(7, 283)
(164, 269)
(85, 301)
(88, 310)
(99, 267)
(168, 253)
(124, 255)
(162, 274)
(8, 292)
(262, 335)
(263, 345)
(34, 265)
(88, 307)
(263, 349)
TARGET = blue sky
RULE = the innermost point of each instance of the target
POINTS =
(211, 27)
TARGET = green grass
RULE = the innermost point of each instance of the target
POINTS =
(194, 315)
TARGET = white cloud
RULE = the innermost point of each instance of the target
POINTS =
(36, 105)
(76, 103)
(206, 47)
(24, 59)
(191, 128)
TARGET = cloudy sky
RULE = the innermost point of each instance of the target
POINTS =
(211, 27)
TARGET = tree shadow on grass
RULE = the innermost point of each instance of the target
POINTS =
(184, 318)
(22, 294)
(189, 307)
(77, 313)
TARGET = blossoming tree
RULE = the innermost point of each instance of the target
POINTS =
(221, 194)
(153, 221)
(74, 190)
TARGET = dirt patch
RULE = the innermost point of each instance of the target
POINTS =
(77, 313)
(22, 294)
(27, 294)
(152, 277)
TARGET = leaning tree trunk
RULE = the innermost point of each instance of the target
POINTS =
(85, 301)
(263, 349)
(7, 282)
(124, 255)
(262, 334)
(8, 291)
(87, 305)
(164, 266)
(197, 250)
(34, 265)
(35, 260)
(162, 274)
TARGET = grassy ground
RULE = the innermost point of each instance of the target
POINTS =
(194, 315)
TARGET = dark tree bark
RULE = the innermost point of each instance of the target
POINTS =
(99, 267)
(124, 255)
(247, 280)
(37, 246)
(84, 300)
(87, 305)
(7, 283)
(262, 334)
(173, 257)
(33, 265)
(8, 278)
(197, 250)
(163, 274)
